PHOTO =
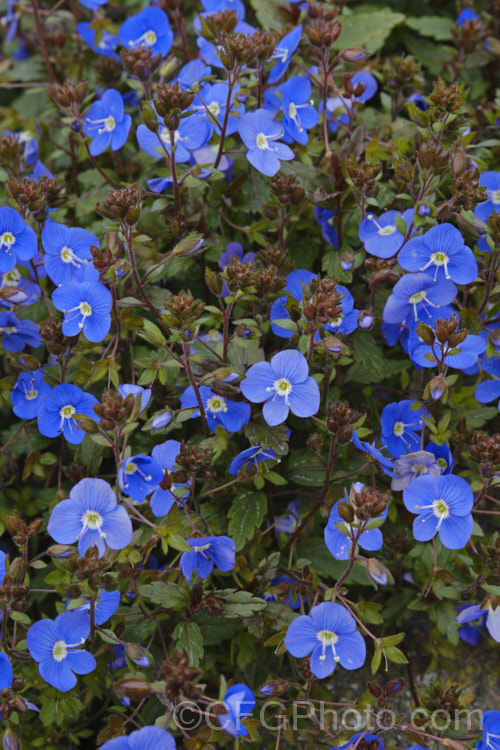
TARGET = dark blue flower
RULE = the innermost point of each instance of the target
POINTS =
(213, 97)
(326, 219)
(488, 390)
(28, 394)
(93, 4)
(491, 181)
(120, 660)
(234, 250)
(191, 74)
(67, 249)
(282, 591)
(289, 523)
(467, 15)
(106, 605)
(91, 516)
(294, 99)
(297, 283)
(442, 253)
(165, 456)
(207, 552)
(442, 504)
(55, 645)
(239, 701)
(149, 28)
(260, 134)
(161, 420)
(56, 415)
(372, 740)
(381, 237)
(22, 291)
(250, 457)
(460, 357)
(385, 463)
(283, 53)
(283, 383)
(400, 425)
(231, 415)
(214, 6)
(329, 634)
(17, 240)
(16, 334)
(486, 613)
(138, 476)
(6, 674)
(414, 294)
(106, 122)
(369, 82)
(86, 307)
(339, 543)
(443, 454)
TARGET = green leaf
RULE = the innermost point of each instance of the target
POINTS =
(306, 469)
(246, 513)
(268, 437)
(434, 26)
(240, 603)
(377, 658)
(169, 595)
(395, 655)
(368, 30)
(188, 636)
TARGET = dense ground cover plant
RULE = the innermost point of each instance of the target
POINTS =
(250, 352)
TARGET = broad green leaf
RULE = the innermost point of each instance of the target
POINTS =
(246, 513)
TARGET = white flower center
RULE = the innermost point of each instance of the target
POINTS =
(495, 196)
(60, 651)
(440, 508)
(214, 108)
(30, 395)
(216, 404)
(7, 238)
(399, 429)
(109, 123)
(387, 231)
(282, 386)
(85, 310)
(262, 142)
(328, 639)
(91, 519)
(67, 411)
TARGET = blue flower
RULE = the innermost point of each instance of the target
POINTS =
(491, 617)
(487, 391)
(107, 44)
(283, 591)
(191, 74)
(149, 28)
(414, 293)
(234, 250)
(214, 98)
(28, 394)
(57, 413)
(412, 465)
(190, 135)
(209, 52)
(491, 181)
(297, 283)
(16, 334)
(490, 731)
(231, 415)
(329, 634)
(467, 15)
(400, 425)
(460, 357)
(138, 476)
(289, 523)
(91, 516)
(443, 454)
(136, 390)
(86, 307)
(381, 237)
(106, 122)
(22, 291)
(207, 552)
(146, 738)
(161, 420)
(440, 250)
(67, 249)
(339, 544)
(165, 456)
(442, 504)
(239, 701)
(106, 605)
(250, 457)
(283, 53)
(214, 6)
(372, 741)
(93, 4)
(17, 240)
(369, 82)
(260, 134)
(385, 463)
(120, 660)
(55, 645)
(326, 220)
(6, 675)
(299, 115)
(283, 383)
